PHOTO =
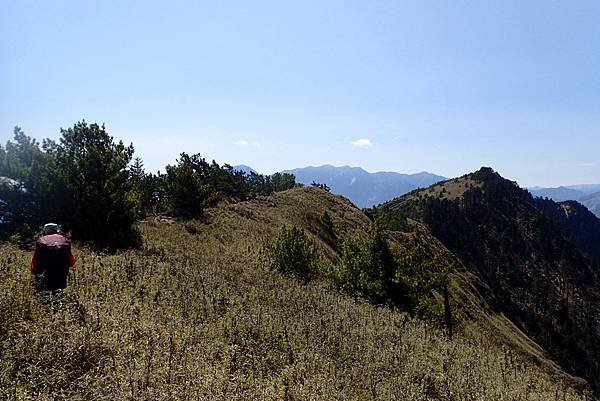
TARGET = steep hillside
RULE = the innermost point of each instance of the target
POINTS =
(539, 277)
(592, 202)
(361, 187)
(196, 313)
(587, 195)
(583, 225)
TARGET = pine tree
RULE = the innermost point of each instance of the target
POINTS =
(187, 188)
(93, 173)
(137, 170)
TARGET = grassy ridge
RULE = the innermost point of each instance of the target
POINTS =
(196, 314)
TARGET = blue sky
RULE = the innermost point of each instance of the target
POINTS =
(407, 86)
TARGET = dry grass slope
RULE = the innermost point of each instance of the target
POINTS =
(451, 189)
(196, 314)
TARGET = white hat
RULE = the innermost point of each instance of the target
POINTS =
(51, 227)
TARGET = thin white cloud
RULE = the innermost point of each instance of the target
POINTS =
(589, 164)
(362, 143)
(173, 141)
(247, 144)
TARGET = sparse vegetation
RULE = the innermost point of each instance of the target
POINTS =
(324, 187)
(197, 311)
(191, 316)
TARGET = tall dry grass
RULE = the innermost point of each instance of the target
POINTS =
(195, 314)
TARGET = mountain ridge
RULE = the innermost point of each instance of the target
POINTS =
(363, 188)
(522, 250)
(586, 194)
(232, 319)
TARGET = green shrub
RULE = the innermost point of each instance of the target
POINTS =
(388, 218)
(282, 182)
(292, 251)
(367, 268)
(420, 275)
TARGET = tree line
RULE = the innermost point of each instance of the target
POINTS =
(95, 188)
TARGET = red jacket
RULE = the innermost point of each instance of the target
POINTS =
(50, 238)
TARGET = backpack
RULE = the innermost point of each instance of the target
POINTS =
(53, 252)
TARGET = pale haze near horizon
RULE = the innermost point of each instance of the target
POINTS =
(444, 87)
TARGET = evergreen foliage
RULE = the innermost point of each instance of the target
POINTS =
(96, 190)
(292, 251)
(3, 161)
(389, 218)
(419, 275)
(581, 225)
(17, 209)
(532, 262)
(193, 184)
(25, 186)
(324, 187)
(282, 182)
(187, 186)
(20, 157)
(92, 171)
(81, 181)
(138, 194)
(367, 268)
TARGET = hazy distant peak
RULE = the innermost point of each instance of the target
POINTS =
(332, 167)
(363, 188)
(590, 196)
(245, 169)
(587, 194)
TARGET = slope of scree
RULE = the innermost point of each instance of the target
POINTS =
(197, 314)
(536, 268)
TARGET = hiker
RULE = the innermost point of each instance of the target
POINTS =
(155, 201)
(52, 259)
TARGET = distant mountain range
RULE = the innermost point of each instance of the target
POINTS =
(364, 189)
(587, 195)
